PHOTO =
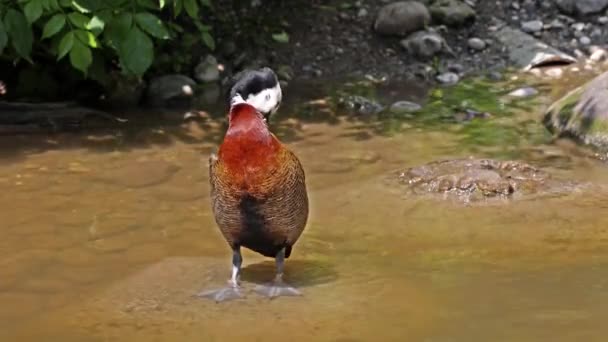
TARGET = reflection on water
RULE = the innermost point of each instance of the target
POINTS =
(107, 236)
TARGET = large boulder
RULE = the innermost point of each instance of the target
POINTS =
(402, 18)
(582, 114)
(581, 7)
(452, 12)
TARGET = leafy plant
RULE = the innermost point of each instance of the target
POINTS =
(88, 30)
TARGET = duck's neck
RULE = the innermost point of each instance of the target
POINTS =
(245, 122)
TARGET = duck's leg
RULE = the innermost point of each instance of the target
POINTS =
(278, 287)
(232, 290)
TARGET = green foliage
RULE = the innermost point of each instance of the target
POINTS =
(124, 30)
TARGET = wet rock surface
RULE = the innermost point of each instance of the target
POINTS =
(582, 114)
(477, 180)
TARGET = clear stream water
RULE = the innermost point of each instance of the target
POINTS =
(107, 235)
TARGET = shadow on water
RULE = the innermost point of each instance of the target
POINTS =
(300, 273)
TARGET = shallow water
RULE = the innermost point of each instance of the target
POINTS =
(107, 235)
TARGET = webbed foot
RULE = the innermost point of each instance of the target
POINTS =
(277, 289)
(224, 294)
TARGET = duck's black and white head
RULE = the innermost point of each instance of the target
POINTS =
(259, 88)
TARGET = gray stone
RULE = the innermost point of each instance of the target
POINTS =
(424, 44)
(451, 12)
(602, 20)
(476, 44)
(448, 78)
(402, 18)
(169, 87)
(207, 70)
(523, 92)
(404, 107)
(581, 7)
(528, 52)
(582, 114)
(584, 40)
(578, 26)
(532, 26)
(362, 13)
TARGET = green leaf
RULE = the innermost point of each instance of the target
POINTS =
(81, 56)
(118, 28)
(65, 45)
(95, 25)
(178, 5)
(3, 37)
(208, 40)
(20, 33)
(86, 6)
(149, 4)
(206, 3)
(191, 7)
(282, 37)
(33, 10)
(54, 5)
(79, 20)
(161, 4)
(137, 52)
(53, 26)
(87, 38)
(152, 25)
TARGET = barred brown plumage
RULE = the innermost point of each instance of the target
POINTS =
(258, 196)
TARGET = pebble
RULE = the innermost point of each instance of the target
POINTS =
(476, 44)
(448, 78)
(362, 13)
(598, 55)
(578, 26)
(401, 107)
(585, 40)
(523, 92)
(602, 20)
(495, 76)
(532, 26)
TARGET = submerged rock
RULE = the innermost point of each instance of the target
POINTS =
(402, 18)
(523, 92)
(359, 105)
(404, 107)
(473, 180)
(582, 113)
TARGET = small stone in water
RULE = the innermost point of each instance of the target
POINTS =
(585, 40)
(602, 20)
(524, 92)
(401, 107)
(448, 78)
(532, 26)
(476, 44)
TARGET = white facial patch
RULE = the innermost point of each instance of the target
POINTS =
(236, 100)
(266, 101)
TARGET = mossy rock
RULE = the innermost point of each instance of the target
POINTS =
(452, 12)
(582, 114)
